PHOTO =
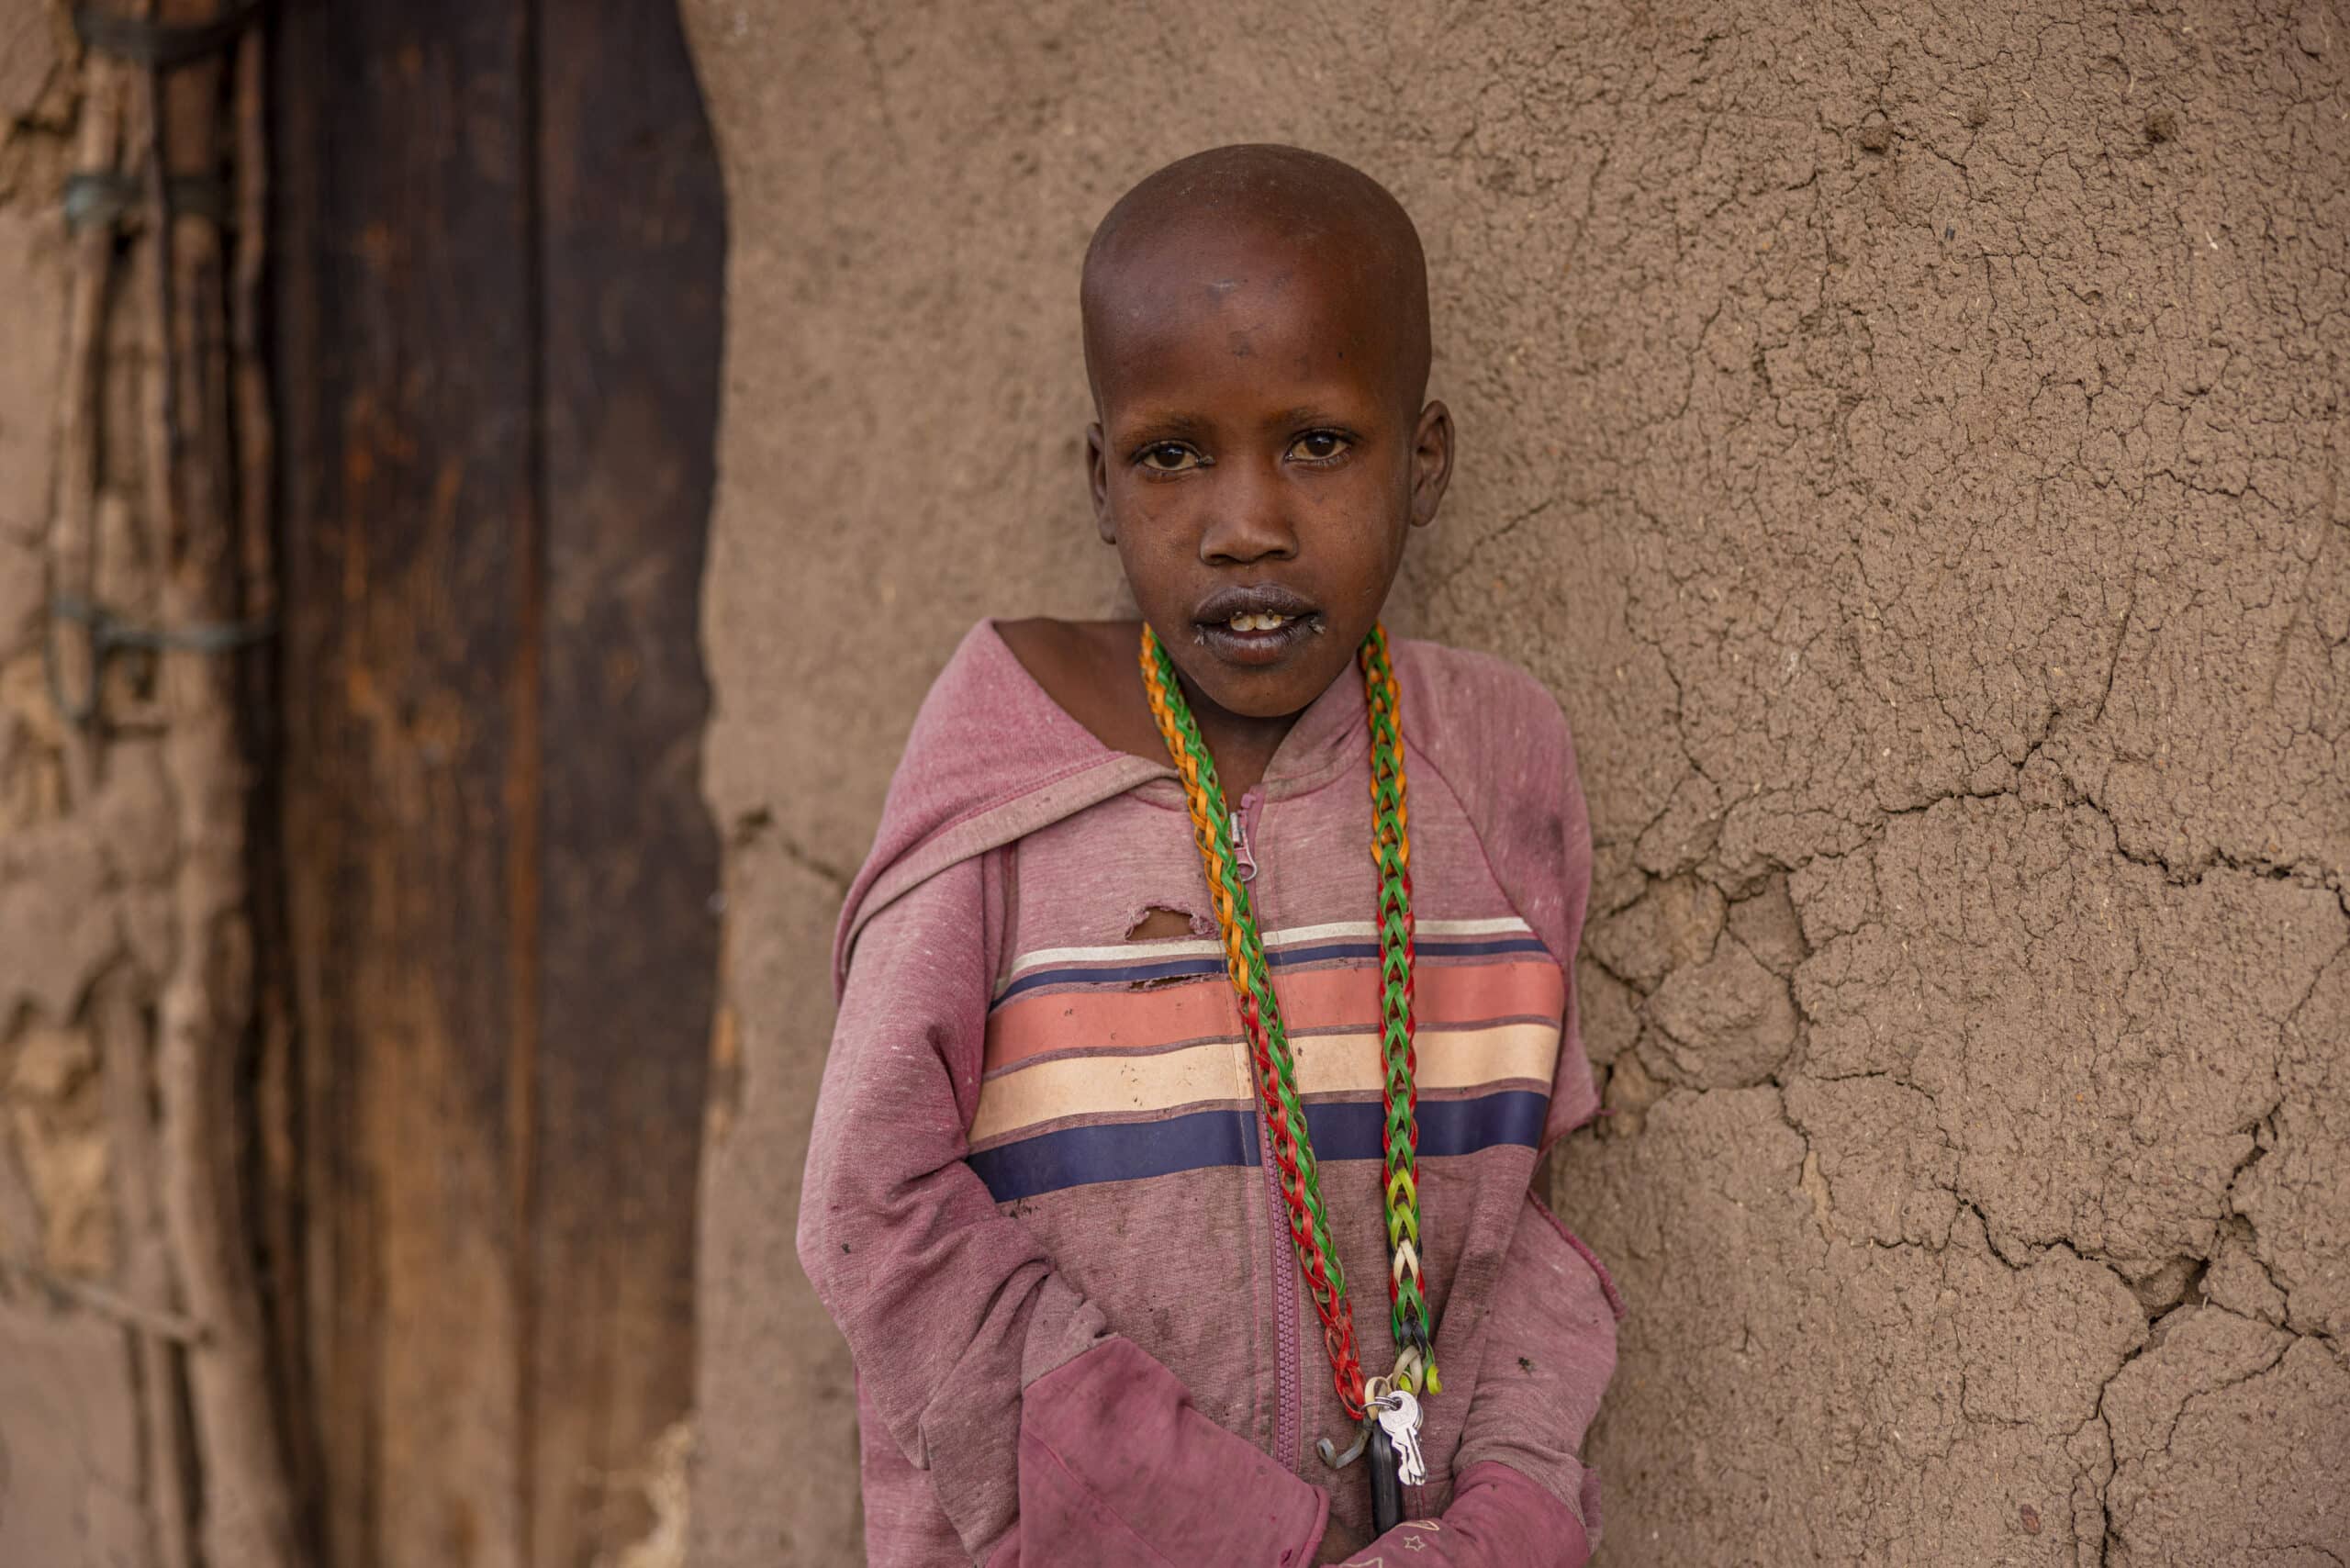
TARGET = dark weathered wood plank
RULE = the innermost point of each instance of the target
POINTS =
(499, 239)
(632, 246)
(407, 354)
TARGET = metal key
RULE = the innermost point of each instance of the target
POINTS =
(1399, 1417)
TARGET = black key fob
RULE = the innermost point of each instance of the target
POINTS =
(1386, 1482)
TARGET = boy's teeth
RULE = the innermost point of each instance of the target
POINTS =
(1259, 623)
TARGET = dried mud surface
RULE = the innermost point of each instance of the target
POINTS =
(1910, 439)
(83, 895)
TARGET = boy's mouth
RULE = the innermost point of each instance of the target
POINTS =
(1256, 625)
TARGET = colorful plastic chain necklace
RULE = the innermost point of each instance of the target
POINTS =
(1393, 1400)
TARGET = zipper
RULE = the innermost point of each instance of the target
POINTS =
(1289, 1412)
(1248, 813)
(1287, 1416)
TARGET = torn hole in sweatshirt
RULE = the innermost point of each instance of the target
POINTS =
(1158, 921)
(1163, 923)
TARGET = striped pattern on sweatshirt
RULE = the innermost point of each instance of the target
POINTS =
(1118, 1063)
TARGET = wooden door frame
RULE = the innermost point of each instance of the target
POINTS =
(498, 239)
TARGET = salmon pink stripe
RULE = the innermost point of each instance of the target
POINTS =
(1145, 1018)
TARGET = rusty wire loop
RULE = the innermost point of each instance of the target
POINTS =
(110, 633)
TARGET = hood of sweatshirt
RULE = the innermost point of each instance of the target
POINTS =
(990, 757)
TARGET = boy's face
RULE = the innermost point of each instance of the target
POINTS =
(1259, 458)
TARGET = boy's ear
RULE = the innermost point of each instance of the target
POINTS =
(1431, 463)
(1097, 475)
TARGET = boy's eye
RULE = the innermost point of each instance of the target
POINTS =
(1169, 457)
(1318, 446)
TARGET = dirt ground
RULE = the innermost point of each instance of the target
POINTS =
(1910, 440)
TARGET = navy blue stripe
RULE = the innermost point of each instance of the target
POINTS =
(1440, 947)
(1357, 1129)
(1079, 1157)
(1278, 957)
(1127, 1151)
(1125, 976)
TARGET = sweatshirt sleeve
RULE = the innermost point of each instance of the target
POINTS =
(1522, 1497)
(1048, 1438)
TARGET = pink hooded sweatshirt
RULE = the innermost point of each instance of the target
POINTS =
(1034, 1200)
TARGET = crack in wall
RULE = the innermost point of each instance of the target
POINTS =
(1898, 437)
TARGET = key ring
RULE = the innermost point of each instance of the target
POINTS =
(1337, 1460)
(1376, 1393)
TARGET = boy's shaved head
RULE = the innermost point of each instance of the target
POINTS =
(1257, 340)
(1197, 224)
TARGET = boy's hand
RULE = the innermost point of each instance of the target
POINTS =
(1411, 1542)
(1498, 1519)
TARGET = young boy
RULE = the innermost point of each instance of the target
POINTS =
(1198, 1038)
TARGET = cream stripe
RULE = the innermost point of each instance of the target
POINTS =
(1200, 948)
(1218, 1069)
(1500, 925)
(1088, 1085)
(1132, 952)
(1446, 1058)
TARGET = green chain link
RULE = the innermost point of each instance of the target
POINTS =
(1218, 822)
(1391, 852)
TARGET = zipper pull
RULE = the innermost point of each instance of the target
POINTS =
(1248, 862)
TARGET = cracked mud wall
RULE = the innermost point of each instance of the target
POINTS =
(135, 1426)
(86, 855)
(1911, 443)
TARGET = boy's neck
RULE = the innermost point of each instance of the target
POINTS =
(1243, 748)
(1089, 669)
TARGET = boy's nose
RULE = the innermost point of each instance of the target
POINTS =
(1248, 518)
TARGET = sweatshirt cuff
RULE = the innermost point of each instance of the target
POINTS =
(1498, 1519)
(1117, 1466)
